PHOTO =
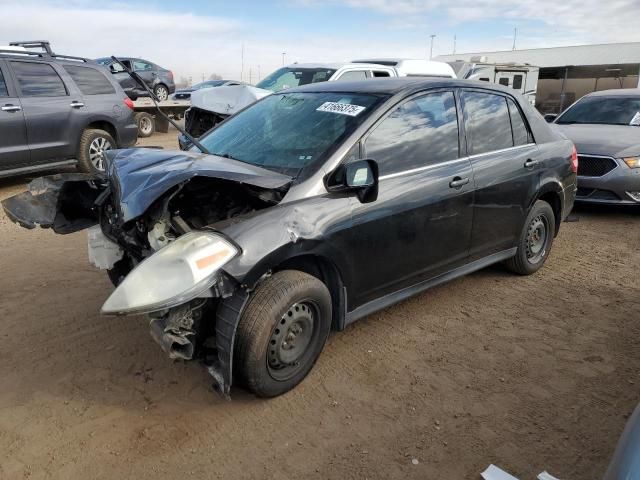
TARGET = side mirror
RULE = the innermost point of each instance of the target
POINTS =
(360, 176)
(550, 117)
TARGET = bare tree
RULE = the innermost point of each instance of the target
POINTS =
(215, 76)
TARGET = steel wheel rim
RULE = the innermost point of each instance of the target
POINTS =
(537, 237)
(162, 93)
(96, 151)
(145, 125)
(291, 339)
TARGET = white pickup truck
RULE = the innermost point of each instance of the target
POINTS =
(210, 106)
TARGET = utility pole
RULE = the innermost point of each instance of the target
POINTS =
(283, 54)
(431, 50)
(454, 43)
(250, 76)
(242, 63)
(515, 36)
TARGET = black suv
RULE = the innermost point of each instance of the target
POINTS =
(158, 79)
(312, 208)
(58, 110)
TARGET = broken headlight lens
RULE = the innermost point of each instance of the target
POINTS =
(177, 273)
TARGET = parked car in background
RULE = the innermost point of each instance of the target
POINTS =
(158, 79)
(312, 208)
(57, 110)
(208, 110)
(185, 93)
(605, 127)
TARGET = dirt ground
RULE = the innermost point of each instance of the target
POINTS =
(529, 373)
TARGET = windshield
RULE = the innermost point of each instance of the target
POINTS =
(287, 132)
(288, 77)
(604, 110)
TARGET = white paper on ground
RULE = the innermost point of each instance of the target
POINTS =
(494, 473)
(546, 476)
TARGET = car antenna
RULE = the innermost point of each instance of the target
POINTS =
(139, 80)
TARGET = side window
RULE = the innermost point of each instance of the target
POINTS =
(380, 74)
(38, 80)
(517, 82)
(3, 86)
(353, 76)
(89, 80)
(487, 123)
(140, 66)
(521, 135)
(504, 81)
(420, 132)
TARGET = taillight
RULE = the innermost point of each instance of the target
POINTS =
(128, 102)
(574, 160)
(170, 74)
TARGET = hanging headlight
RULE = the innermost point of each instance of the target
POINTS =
(177, 273)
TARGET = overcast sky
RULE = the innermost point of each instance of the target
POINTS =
(201, 37)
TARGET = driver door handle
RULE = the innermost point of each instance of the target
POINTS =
(531, 163)
(11, 108)
(76, 104)
(458, 182)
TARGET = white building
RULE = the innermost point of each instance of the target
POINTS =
(568, 73)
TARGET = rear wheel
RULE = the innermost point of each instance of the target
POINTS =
(146, 124)
(161, 92)
(535, 240)
(93, 143)
(282, 332)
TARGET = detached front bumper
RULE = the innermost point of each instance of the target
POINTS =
(617, 187)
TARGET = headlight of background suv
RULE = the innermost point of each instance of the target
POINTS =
(632, 162)
(173, 275)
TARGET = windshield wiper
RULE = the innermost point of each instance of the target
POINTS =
(227, 155)
(139, 80)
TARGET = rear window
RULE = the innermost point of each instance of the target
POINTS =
(89, 80)
(38, 80)
(487, 122)
(3, 86)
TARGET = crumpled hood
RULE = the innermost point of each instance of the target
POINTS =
(227, 99)
(610, 140)
(140, 176)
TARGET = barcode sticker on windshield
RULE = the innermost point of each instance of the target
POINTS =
(635, 121)
(341, 108)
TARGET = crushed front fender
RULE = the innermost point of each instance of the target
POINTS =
(62, 202)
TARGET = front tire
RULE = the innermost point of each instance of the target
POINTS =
(282, 331)
(93, 143)
(535, 240)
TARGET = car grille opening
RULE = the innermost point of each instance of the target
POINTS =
(590, 166)
(596, 194)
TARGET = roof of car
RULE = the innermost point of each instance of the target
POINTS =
(619, 92)
(333, 65)
(393, 86)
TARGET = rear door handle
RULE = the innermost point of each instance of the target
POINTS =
(11, 108)
(458, 182)
(531, 163)
(76, 104)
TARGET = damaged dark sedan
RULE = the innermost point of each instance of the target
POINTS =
(310, 209)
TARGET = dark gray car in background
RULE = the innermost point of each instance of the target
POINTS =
(57, 110)
(158, 79)
(605, 127)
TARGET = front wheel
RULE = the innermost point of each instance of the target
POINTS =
(282, 332)
(535, 240)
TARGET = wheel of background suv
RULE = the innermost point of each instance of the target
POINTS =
(146, 124)
(282, 332)
(535, 240)
(161, 92)
(93, 143)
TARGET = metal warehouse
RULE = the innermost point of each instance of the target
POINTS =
(568, 73)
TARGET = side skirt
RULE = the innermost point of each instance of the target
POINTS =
(395, 297)
(36, 168)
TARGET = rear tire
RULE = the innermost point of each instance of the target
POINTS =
(161, 92)
(93, 143)
(146, 124)
(282, 332)
(535, 240)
